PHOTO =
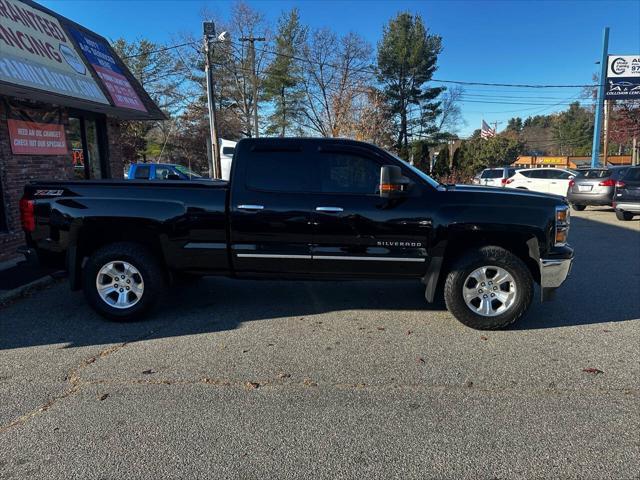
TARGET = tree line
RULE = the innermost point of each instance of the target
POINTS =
(316, 82)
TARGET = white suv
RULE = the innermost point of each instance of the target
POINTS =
(545, 180)
(494, 177)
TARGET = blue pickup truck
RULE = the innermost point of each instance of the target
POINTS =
(161, 171)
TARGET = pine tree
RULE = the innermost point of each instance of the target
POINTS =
(407, 56)
(283, 75)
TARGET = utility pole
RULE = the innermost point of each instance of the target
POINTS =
(252, 53)
(215, 168)
(634, 150)
(595, 148)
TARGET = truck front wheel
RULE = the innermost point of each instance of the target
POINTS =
(488, 288)
(122, 281)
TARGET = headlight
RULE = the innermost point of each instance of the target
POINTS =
(563, 221)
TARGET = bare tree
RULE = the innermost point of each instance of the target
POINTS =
(336, 71)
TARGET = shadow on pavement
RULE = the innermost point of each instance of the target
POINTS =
(604, 286)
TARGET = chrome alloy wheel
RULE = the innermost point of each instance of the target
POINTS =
(489, 291)
(119, 284)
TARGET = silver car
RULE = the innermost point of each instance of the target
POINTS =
(594, 186)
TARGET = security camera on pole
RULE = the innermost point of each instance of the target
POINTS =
(209, 30)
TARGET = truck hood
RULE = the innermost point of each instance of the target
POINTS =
(508, 192)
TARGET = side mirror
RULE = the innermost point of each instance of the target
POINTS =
(173, 176)
(571, 177)
(392, 183)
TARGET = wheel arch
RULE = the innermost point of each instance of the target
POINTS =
(94, 234)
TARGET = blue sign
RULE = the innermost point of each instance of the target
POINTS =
(622, 88)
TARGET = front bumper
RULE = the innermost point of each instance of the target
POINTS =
(553, 273)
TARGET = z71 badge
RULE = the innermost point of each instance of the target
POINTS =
(48, 193)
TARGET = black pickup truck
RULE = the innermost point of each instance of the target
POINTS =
(304, 209)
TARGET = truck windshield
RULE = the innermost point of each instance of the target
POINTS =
(420, 173)
(187, 172)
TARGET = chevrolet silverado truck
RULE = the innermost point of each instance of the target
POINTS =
(304, 209)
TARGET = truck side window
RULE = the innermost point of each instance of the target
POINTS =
(142, 172)
(348, 173)
(278, 171)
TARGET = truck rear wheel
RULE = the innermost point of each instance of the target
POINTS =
(489, 288)
(122, 281)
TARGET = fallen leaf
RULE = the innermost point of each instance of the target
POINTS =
(381, 329)
(148, 372)
(409, 332)
(309, 383)
(595, 371)
(468, 384)
(482, 337)
(245, 351)
(104, 396)
(420, 360)
(284, 375)
(251, 385)
(606, 331)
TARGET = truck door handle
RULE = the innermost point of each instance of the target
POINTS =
(329, 209)
(250, 207)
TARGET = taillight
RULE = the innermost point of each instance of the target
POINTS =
(507, 181)
(609, 182)
(27, 215)
(571, 183)
(620, 184)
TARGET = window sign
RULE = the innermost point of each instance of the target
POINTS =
(37, 53)
(100, 57)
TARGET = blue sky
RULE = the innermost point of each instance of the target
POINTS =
(543, 42)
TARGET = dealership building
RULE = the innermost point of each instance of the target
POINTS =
(63, 93)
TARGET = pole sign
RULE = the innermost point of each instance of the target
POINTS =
(623, 77)
(101, 59)
(36, 53)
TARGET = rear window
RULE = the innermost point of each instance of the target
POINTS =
(278, 171)
(594, 173)
(493, 173)
(142, 172)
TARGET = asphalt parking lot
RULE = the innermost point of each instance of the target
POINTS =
(331, 380)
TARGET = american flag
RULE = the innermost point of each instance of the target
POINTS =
(486, 131)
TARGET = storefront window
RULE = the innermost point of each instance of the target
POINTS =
(74, 135)
(93, 150)
(84, 136)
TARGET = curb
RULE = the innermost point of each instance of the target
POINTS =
(23, 290)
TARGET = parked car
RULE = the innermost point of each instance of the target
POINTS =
(161, 171)
(594, 186)
(627, 194)
(545, 180)
(494, 177)
(305, 208)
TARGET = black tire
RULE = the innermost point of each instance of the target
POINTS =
(140, 258)
(624, 216)
(488, 256)
(578, 208)
(522, 188)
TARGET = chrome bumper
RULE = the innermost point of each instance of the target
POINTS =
(553, 272)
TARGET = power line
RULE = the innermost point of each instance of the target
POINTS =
(163, 49)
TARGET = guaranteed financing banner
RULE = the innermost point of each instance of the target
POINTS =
(35, 52)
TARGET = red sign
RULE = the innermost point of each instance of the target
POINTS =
(31, 138)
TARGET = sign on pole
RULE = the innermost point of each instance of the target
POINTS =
(623, 77)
